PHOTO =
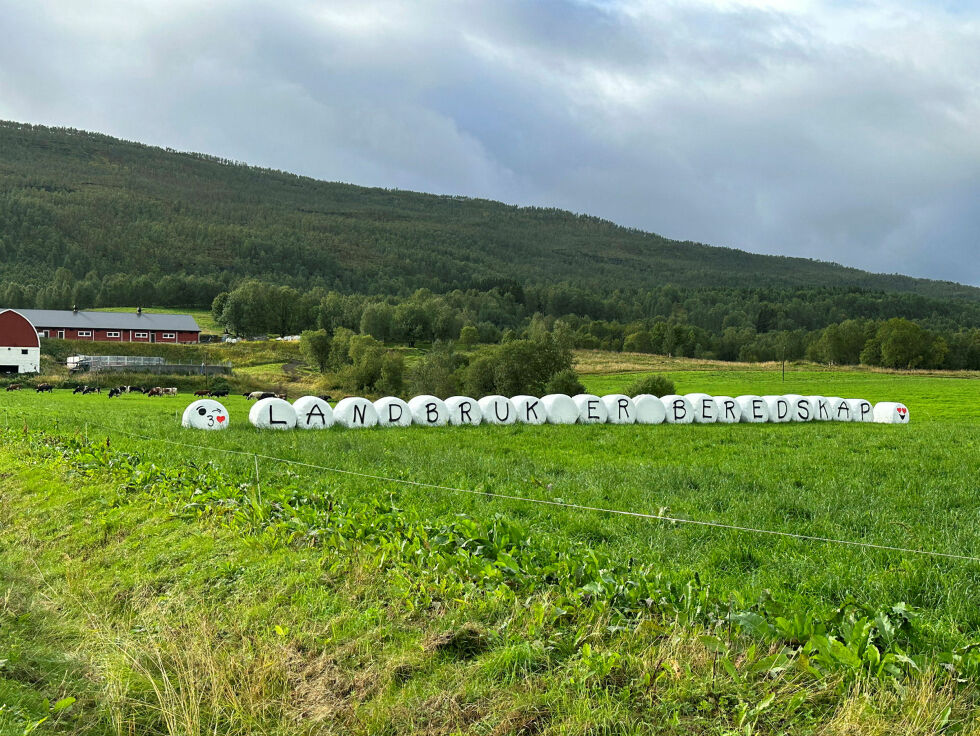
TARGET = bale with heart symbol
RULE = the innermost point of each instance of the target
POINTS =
(891, 412)
(205, 414)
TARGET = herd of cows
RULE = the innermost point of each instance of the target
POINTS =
(155, 391)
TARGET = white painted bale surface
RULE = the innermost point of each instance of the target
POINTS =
(619, 409)
(312, 412)
(861, 410)
(392, 412)
(729, 412)
(705, 408)
(497, 410)
(429, 411)
(649, 409)
(839, 410)
(591, 409)
(779, 409)
(560, 408)
(205, 414)
(822, 409)
(272, 413)
(755, 409)
(891, 412)
(800, 409)
(355, 412)
(464, 410)
(679, 409)
(529, 409)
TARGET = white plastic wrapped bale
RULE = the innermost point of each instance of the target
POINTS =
(839, 410)
(778, 408)
(891, 412)
(619, 409)
(272, 413)
(649, 409)
(392, 412)
(497, 410)
(464, 410)
(799, 408)
(861, 410)
(355, 412)
(560, 408)
(705, 408)
(679, 409)
(205, 414)
(429, 411)
(529, 409)
(755, 409)
(312, 412)
(591, 410)
(729, 412)
(822, 409)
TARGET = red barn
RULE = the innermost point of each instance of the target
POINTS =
(135, 326)
(20, 349)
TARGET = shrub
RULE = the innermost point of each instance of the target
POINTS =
(654, 384)
(565, 382)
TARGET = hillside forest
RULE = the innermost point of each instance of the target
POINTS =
(90, 221)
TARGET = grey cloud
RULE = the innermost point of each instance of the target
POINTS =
(840, 132)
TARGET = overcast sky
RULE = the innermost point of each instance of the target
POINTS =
(844, 131)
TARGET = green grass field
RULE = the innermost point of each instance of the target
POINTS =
(909, 486)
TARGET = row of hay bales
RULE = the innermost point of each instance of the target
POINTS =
(310, 412)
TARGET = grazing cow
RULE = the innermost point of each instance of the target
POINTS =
(218, 394)
(42, 387)
(92, 390)
(13, 387)
(78, 390)
(172, 391)
(155, 391)
(204, 392)
(256, 395)
(115, 392)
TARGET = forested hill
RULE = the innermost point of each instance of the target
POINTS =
(88, 202)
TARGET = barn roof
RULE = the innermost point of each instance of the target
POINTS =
(110, 320)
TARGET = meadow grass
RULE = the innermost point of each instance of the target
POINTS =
(367, 668)
(907, 486)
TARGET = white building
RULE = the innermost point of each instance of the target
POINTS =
(20, 347)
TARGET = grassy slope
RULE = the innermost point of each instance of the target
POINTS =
(119, 206)
(162, 621)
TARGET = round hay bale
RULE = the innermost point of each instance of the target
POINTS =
(679, 409)
(729, 412)
(891, 412)
(272, 413)
(779, 409)
(861, 410)
(800, 409)
(392, 412)
(428, 411)
(619, 409)
(755, 409)
(529, 409)
(591, 409)
(705, 408)
(464, 410)
(560, 408)
(205, 414)
(355, 412)
(839, 410)
(649, 409)
(822, 410)
(312, 412)
(497, 410)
